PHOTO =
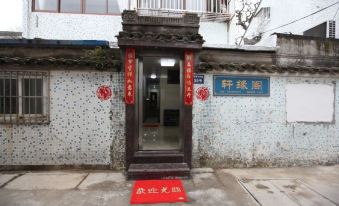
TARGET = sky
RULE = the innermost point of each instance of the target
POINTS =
(11, 15)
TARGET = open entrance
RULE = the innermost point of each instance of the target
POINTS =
(159, 125)
(159, 104)
(159, 54)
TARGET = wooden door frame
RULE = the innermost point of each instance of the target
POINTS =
(131, 117)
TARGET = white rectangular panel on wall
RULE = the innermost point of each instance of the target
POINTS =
(310, 102)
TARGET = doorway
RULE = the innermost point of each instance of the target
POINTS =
(159, 124)
(159, 104)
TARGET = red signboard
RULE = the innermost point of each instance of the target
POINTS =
(189, 67)
(158, 191)
(130, 76)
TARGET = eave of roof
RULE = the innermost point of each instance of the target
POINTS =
(243, 48)
(103, 64)
(42, 43)
(302, 37)
(231, 67)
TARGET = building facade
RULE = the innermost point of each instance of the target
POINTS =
(157, 98)
(292, 17)
(74, 22)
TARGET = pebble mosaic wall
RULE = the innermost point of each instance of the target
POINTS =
(227, 131)
(82, 129)
(253, 131)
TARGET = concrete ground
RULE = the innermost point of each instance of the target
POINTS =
(278, 186)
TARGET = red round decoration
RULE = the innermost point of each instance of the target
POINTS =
(104, 92)
(203, 93)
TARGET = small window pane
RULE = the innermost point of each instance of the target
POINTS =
(113, 7)
(25, 105)
(2, 103)
(13, 87)
(32, 89)
(32, 105)
(9, 105)
(39, 87)
(72, 6)
(38, 109)
(14, 107)
(47, 5)
(7, 87)
(96, 6)
(1, 87)
(8, 102)
(28, 106)
(26, 87)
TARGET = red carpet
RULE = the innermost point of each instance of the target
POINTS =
(158, 191)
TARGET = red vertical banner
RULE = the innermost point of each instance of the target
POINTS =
(130, 76)
(188, 76)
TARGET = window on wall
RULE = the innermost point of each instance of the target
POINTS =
(116, 7)
(96, 6)
(71, 6)
(213, 6)
(24, 97)
(82, 6)
(46, 5)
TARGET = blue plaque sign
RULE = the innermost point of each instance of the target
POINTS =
(198, 79)
(241, 86)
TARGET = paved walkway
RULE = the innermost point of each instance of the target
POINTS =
(279, 186)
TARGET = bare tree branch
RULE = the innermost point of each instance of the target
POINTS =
(246, 13)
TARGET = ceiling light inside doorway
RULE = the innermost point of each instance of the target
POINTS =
(166, 62)
(153, 76)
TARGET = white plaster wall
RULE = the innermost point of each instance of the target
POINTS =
(253, 131)
(309, 102)
(106, 27)
(283, 12)
(64, 26)
(10, 13)
(214, 33)
(82, 129)
(74, 26)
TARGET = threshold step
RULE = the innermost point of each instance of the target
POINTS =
(142, 157)
(158, 171)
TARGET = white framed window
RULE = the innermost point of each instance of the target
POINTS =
(107, 7)
(209, 6)
(264, 13)
(24, 97)
(46, 5)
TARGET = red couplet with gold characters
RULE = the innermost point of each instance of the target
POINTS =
(188, 76)
(130, 76)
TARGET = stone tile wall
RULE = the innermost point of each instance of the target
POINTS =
(227, 131)
(82, 128)
(253, 131)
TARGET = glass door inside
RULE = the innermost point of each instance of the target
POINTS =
(159, 103)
